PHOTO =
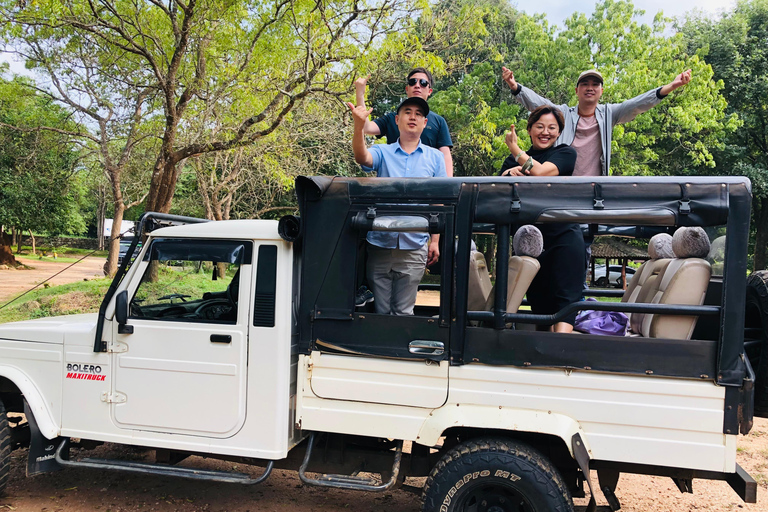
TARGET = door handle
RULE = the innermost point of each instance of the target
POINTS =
(221, 338)
(426, 347)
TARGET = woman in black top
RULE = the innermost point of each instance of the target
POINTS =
(561, 278)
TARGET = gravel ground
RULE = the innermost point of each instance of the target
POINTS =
(15, 282)
(89, 490)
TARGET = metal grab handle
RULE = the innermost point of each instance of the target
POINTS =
(426, 347)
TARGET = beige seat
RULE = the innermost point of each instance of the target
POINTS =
(479, 282)
(522, 270)
(660, 252)
(522, 267)
(684, 281)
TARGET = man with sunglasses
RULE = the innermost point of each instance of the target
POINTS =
(589, 125)
(396, 261)
(418, 85)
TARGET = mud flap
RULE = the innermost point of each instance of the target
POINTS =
(608, 479)
(42, 451)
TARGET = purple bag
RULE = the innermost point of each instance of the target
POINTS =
(607, 323)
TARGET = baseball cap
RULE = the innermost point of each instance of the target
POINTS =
(590, 73)
(415, 100)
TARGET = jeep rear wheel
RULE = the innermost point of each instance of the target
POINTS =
(756, 336)
(495, 475)
(5, 449)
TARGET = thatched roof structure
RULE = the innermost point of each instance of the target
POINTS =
(613, 247)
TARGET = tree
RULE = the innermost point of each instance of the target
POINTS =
(38, 183)
(256, 59)
(736, 46)
(677, 136)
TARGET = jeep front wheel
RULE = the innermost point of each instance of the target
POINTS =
(495, 475)
(5, 449)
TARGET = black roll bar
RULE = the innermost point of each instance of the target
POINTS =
(661, 309)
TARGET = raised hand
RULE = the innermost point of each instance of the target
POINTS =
(509, 77)
(359, 113)
(681, 79)
(511, 138)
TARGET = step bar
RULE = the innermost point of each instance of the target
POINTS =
(351, 482)
(62, 457)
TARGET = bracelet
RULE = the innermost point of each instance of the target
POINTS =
(527, 165)
(518, 155)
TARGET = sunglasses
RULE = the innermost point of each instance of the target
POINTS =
(422, 82)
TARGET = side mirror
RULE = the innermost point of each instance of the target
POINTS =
(121, 307)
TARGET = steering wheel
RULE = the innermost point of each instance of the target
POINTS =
(214, 309)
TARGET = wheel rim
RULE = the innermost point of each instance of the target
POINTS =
(494, 498)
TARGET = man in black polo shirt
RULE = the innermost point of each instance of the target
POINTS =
(436, 134)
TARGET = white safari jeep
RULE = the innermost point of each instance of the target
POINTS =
(241, 340)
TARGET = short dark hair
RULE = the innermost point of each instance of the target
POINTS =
(421, 70)
(546, 109)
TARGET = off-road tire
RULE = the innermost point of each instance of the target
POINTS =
(495, 474)
(756, 317)
(5, 449)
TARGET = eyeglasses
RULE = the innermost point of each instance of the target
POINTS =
(422, 82)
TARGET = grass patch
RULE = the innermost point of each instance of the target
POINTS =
(30, 260)
(66, 299)
(46, 252)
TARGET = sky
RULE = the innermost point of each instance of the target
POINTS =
(558, 10)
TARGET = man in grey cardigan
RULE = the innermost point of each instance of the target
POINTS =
(589, 125)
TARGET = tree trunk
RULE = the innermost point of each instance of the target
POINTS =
(101, 214)
(6, 251)
(17, 239)
(33, 242)
(761, 235)
(110, 267)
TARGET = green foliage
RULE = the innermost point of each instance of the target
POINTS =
(39, 186)
(675, 137)
(736, 46)
(678, 136)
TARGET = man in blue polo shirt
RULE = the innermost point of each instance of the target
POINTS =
(418, 83)
(396, 261)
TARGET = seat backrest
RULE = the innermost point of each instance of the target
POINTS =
(644, 295)
(683, 282)
(522, 270)
(646, 270)
(479, 286)
(522, 267)
(660, 252)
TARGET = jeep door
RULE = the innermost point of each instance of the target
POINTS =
(181, 361)
(356, 353)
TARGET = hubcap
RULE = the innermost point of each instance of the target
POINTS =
(495, 498)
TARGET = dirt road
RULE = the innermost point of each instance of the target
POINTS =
(87, 490)
(14, 282)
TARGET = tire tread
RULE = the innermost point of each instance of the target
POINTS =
(489, 449)
(5, 449)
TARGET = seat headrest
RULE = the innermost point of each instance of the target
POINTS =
(690, 243)
(660, 246)
(528, 241)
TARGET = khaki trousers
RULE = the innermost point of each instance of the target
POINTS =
(394, 276)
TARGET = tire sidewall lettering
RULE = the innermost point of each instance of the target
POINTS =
(469, 477)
